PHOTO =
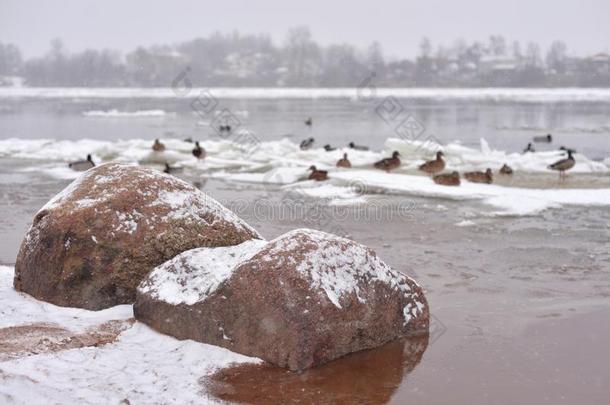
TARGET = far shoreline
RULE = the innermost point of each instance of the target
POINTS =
(364, 93)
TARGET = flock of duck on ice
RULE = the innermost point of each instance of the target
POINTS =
(434, 167)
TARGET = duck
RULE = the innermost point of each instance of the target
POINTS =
(169, 169)
(352, 145)
(82, 165)
(345, 163)
(329, 148)
(225, 128)
(564, 164)
(309, 122)
(158, 146)
(317, 175)
(307, 143)
(198, 151)
(506, 169)
(529, 148)
(447, 179)
(435, 166)
(479, 177)
(541, 139)
(388, 164)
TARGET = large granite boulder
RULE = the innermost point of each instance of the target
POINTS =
(93, 243)
(298, 301)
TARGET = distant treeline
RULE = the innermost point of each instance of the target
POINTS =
(254, 60)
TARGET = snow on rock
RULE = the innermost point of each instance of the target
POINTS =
(195, 274)
(338, 266)
(297, 301)
(91, 245)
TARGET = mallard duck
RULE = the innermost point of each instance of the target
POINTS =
(447, 179)
(158, 146)
(388, 164)
(317, 175)
(479, 177)
(82, 165)
(506, 169)
(352, 145)
(307, 143)
(329, 148)
(529, 148)
(564, 164)
(548, 138)
(344, 162)
(435, 166)
(198, 151)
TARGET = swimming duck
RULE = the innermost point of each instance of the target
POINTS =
(506, 169)
(329, 148)
(309, 122)
(564, 164)
(317, 175)
(529, 148)
(388, 164)
(225, 128)
(307, 143)
(352, 145)
(198, 151)
(158, 146)
(435, 166)
(168, 169)
(82, 165)
(479, 177)
(447, 179)
(548, 138)
(344, 162)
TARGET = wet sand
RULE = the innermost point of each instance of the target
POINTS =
(520, 304)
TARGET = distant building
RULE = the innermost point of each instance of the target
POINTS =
(600, 63)
(490, 65)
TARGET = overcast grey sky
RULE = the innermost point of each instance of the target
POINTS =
(398, 25)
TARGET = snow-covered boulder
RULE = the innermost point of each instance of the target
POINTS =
(298, 301)
(93, 243)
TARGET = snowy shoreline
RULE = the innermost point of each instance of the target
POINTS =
(141, 365)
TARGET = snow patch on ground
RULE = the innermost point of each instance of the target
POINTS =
(141, 366)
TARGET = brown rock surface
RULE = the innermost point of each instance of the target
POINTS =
(92, 244)
(298, 301)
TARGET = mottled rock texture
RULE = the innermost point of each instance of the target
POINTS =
(298, 301)
(93, 243)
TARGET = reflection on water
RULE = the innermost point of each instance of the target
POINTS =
(367, 377)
